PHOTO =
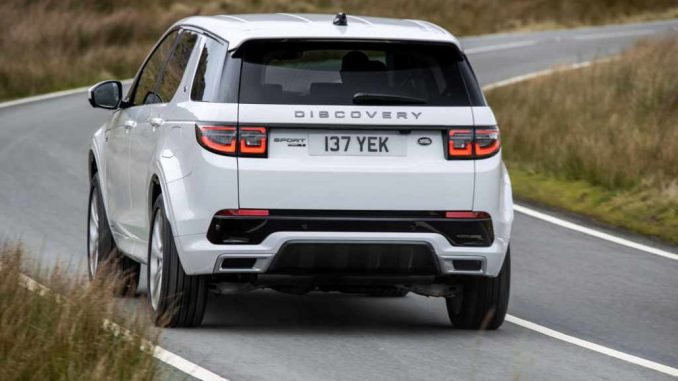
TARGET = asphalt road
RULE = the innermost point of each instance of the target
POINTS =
(582, 286)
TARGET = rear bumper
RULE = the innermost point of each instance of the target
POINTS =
(200, 256)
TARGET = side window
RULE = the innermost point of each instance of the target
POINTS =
(174, 70)
(145, 89)
(208, 73)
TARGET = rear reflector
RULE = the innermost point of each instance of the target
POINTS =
(467, 215)
(244, 212)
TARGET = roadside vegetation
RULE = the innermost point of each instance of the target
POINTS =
(600, 141)
(48, 45)
(60, 334)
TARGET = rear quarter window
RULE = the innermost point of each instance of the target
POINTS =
(209, 70)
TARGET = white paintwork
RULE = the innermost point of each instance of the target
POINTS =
(159, 141)
(203, 253)
(422, 180)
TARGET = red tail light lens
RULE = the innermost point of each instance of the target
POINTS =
(253, 141)
(218, 139)
(231, 141)
(473, 143)
(461, 143)
(486, 142)
(244, 212)
(463, 214)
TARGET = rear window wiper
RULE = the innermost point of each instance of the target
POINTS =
(385, 99)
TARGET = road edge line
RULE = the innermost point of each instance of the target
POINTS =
(635, 360)
(543, 73)
(594, 233)
(172, 359)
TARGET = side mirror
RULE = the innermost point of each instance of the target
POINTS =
(106, 94)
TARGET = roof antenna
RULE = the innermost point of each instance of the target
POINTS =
(340, 19)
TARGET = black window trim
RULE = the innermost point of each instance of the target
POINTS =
(205, 36)
(127, 102)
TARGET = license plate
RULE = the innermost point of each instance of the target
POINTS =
(357, 144)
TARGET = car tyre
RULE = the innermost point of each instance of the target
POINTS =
(175, 298)
(103, 257)
(483, 302)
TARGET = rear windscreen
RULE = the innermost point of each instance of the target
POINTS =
(348, 73)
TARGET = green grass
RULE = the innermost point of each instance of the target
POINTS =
(641, 210)
(60, 335)
(49, 45)
(600, 141)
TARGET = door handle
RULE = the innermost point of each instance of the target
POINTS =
(156, 122)
(129, 124)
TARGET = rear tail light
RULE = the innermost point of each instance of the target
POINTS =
(478, 143)
(232, 141)
(253, 141)
(461, 143)
(218, 139)
(486, 142)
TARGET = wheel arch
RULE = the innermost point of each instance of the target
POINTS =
(158, 186)
(154, 190)
(92, 166)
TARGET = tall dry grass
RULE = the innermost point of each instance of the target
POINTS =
(613, 126)
(47, 45)
(60, 335)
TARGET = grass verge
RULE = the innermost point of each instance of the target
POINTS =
(50, 45)
(600, 141)
(61, 335)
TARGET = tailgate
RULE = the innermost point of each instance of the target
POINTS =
(352, 166)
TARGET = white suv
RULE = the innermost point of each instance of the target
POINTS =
(302, 153)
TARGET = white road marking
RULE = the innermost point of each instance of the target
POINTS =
(190, 368)
(594, 233)
(492, 48)
(160, 353)
(596, 36)
(593, 346)
(541, 73)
